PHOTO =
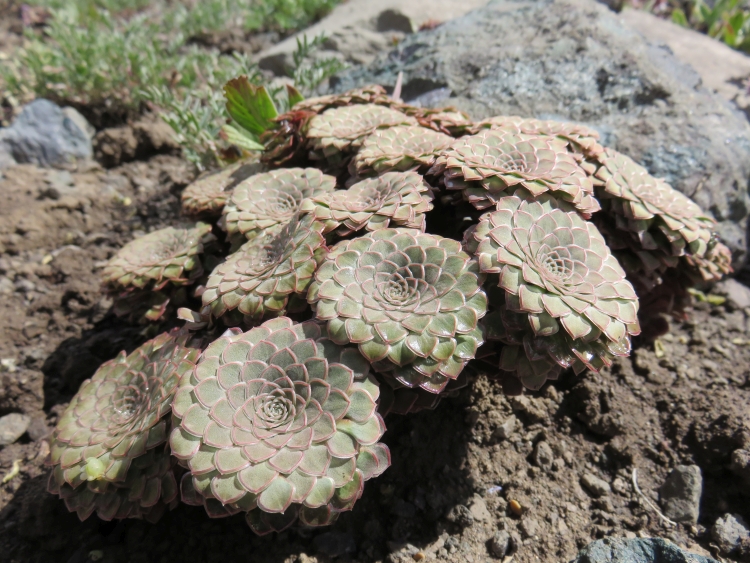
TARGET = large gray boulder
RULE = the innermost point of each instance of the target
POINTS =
(46, 135)
(576, 60)
(637, 550)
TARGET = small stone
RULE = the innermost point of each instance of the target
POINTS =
(737, 293)
(461, 516)
(740, 463)
(334, 544)
(529, 527)
(595, 486)
(680, 495)
(729, 531)
(38, 428)
(478, 509)
(394, 20)
(499, 543)
(620, 486)
(506, 428)
(12, 427)
(543, 456)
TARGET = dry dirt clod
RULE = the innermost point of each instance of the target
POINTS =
(499, 543)
(594, 486)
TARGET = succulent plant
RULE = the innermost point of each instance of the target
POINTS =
(393, 199)
(444, 120)
(265, 273)
(107, 451)
(399, 148)
(266, 202)
(659, 216)
(209, 193)
(281, 423)
(714, 264)
(487, 165)
(556, 269)
(165, 256)
(373, 94)
(341, 130)
(410, 301)
(581, 140)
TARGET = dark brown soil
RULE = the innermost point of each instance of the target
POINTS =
(453, 475)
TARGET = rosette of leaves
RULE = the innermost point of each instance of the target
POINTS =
(488, 165)
(141, 269)
(266, 273)
(558, 273)
(393, 199)
(714, 264)
(209, 193)
(286, 143)
(581, 140)
(337, 132)
(662, 219)
(399, 148)
(266, 202)
(410, 301)
(281, 423)
(373, 94)
(444, 120)
(108, 450)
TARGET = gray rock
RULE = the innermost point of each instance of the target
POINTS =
(578, 61)
(728, 531)
(737, 293)
(639, 550)
(680, 495)
(12, 427)
(595, 486)
(499, 543)
(543, 456)
(45, 135)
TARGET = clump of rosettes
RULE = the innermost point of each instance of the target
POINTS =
(412, 248)
(147, 272)
(108, 450)
(280, 423)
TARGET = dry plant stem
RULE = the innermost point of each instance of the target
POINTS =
(650, 504)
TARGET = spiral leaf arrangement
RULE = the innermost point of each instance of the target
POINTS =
(371, 253)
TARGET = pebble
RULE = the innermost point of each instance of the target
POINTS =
(529, 527)
(595, 486)
(478, 509)
(506, 428)
(543, 456)
(680, 495)
(12, 427)
(729, 531)
(499, 543)
(461, 516)
(737, 293)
